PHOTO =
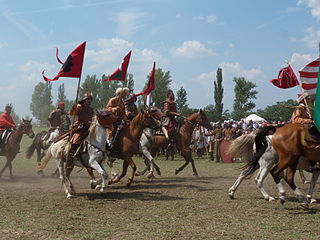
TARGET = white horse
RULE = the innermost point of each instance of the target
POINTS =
(244, 146)
(92, 158)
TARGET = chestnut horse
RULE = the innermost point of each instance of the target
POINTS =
(292, 141)
(12, 146)
(183, 138)
(128, 143)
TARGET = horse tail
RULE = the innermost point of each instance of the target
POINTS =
(45, 159)
(261, 146)
(31, 148)
(242, 147)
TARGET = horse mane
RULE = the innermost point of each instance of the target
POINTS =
(93, 126)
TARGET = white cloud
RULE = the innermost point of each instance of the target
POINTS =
(3, 44)
(314, 5)
(312, 37)
(192, 49)
(209, 19)
(231, 70)
(298, 61)
(128, 22)
(31, 71)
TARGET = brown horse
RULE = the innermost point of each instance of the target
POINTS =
(12, 146)
(183, 138)
(128, 143)
(292, 141)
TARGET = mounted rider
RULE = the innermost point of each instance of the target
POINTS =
(131, 109)
(116, 105)
(169, 108)
(6, 123)
(82, 113)
(58, 119)
(301, 114)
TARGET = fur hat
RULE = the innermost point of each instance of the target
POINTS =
(120, 90)
(86, 95)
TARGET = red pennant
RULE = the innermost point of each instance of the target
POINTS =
(150, 86)
(72, 67)
(121, 72)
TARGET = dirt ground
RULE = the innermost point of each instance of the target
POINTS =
(168, 207)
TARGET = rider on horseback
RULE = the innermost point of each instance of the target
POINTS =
(58, 119)
(169, 108)
(116, 105)
(82, 114)
(6, 123)
(300, 114)
(130, 106)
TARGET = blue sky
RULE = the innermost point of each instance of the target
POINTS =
(191, 39)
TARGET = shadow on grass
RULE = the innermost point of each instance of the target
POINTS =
(137, 195)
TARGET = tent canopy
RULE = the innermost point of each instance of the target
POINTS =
(254, 118)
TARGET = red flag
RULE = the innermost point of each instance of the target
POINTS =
(286, 78)
(309, 76)
(72, 67)
(121, 72)
(150, 86)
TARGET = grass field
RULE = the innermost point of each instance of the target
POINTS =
(168, 207)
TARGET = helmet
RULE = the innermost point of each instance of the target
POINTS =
(86, 96)
(60, 105)
(132, 97)
(122, 89)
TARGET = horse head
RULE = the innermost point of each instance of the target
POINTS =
(152, 117)
(203, 120)
(26, 127)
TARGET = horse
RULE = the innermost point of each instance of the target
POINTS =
(292, 141)
(128, 143)
(244, 146)
(182, 139)
(91, 158)
(12, 146)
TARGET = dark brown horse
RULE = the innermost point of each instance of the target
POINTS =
(128, 143)
(12, 146)
(292, 141)
(184, 136)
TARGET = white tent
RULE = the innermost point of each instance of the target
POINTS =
(254, 118)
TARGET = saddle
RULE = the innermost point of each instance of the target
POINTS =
(4, 137)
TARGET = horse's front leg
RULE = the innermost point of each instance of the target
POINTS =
(124, 172)
(110, 162)
(134, 168)
(234, 187)
(314, 179)
(148, 157)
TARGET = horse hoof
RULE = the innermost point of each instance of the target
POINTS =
(159, 173)
(282, 201)
(313, 201)
(195, 174)
(305, 205)
(138, 174)
(69, 196)
(150, 176)
(40, 173)
(231, 196)
(271, 199)
(176, 171)
(306, 182)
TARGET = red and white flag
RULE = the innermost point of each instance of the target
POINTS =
(121, 72)
(309, 76)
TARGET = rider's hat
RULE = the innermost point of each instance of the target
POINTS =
(122, 89)
(61, 105)
(86, 96)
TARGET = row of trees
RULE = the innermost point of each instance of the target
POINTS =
(42, 99)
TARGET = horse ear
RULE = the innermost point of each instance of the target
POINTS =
(97, 112)
(200, 110)
(143, 111)
(22, 119)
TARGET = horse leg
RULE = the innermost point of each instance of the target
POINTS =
(234, 187)
(289, 178)
(5, 167)
(99, 168)
(277, 174)
(185, 154)
(110, 162)
(156, 167)
(148, 157)
(265, 166)
(69, 169)
(147, 163)
(134, 168)
(39, 156)
(124, 172)
(62, 176)
(303, 178)
(314, 179)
